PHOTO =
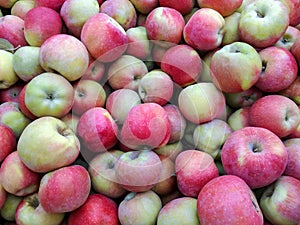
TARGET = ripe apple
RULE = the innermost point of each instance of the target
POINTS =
(95, 71)
(205, 75)
(170, 150)
(8, 76)
(241, 70)
(231, 28)
(257, 146)
(145, 6)
(288, 38)
(8, 210)
(293, 11)
(293, 91)
(54, 4)
(239, 118)
(21, 7)
(293, 164)
(184, 7)
(281, 120)
(12, 93)
(225, 8)
(228, 199)
(8, 141)
(204, 30)
(22, 105)
(295, 49)
(71, 120)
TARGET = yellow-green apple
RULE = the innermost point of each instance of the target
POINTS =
(26, 62)
(138, 171)
(76, 12)
(11, 29)
(201, 102)
(11, 116)
(293, 91)
(64, 189)
(71, 120)
(205, 75)
(139, 208)
(12, 93)
(257, 146)
(204, 30)
(97, 130)
(145, 6)
(295, 49)
(156, 86)
(95, 71)
(231, 28)
(8, 141)
(164, 25)
(170, 150)
(210, 137)
(16, 178)
(8, 76)
(98, 209)
(288, 38)
(184, 7)
(280, 202)
(36, 32)
(22, 105)
(120, 102)
(88, 94)
(49, 94)
(293, 165)
(138, 43)
(152, 120)
(239, 118)
(281, 120)
(21, 7)
(235, 67)
(183, 72)
(46, 144)
(104, 37)
(126, 72)
(194, 169)
(66, 55)
(244, 4)
(122, 11)
(279, 69)
(225, 8)
(228, 199)
(8, 210)
(262, 23)
(55, 4)
(102, 171)
(30, 211)
(7, 4)
(181, 210)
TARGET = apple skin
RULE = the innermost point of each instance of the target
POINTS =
(98, 209)
(3, 196)
(295, 49)
(181, 210)
(288, 38)
(170, 150)
(231, 28)
(280, 202)
(293, 165)
(12, 93)
(22, 105)
(71, 63)
(103, 174)
(280, 69)
(225, 8)
(104, 37)
(152, 120)
(293, 91)
(139, 208)
(8, 141)
(8, 210)
(194, 169)
(254, 146)
(56, 4)
(21, 7)
(293, 11)
(138, 171)
(239, 118)
(205, 75)
(183, 72)
(16, 178)
(201, 102)
(75, 13)
(145, 6)
(203, 31)
(235, 67)
(8, 76)
(71, 120)
(282, 120)
(262, 23)
(95, 71)
(217, 205)
(41, 138)
(184, 7)
(30, 211)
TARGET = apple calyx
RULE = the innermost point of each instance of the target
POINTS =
(33, 201)
(134, 155)
(255, 147)
(64, 131)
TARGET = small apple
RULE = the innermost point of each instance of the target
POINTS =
(231, 28)
(288, 38)
(8, 141)
(293, 91)
(8, 76)
(225, 8)
(205, 75)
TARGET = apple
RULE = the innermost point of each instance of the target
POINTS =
(152, 120)
(293, 165)
(205, 75)
(225, 8)
(104, 37)
(184, 7)
(228, 199)
(170, 150)
(181, 210)
(97, 130)
(231, 28)
(8, 142)
(64, 189)
(239, 118)
(7, 4)
(295, 49)
(49, 94)
(157, 53)
(126, 72)
(30, 211)
(3, 196)
(281, 120)
(102, 170)
(293, 91)
(293, 11)
(61, 52)
(95, 71)
(21, 7)
(9, 208)
(16, 178)
(204, 30)
(98, 209)
(241, 70)
(288, 38)
(46, 144)
(244, 4)
(139, 208)
(280, 202)
(88, 94)
(257, 146)
(12, 93)
(54, 4)
(145, 6)
(138, 171)
(183, 72)
(71, 120)
(201, 102)
(26, 62)
(8, 76)
(22, 105)
(279, 70)
(263, 22)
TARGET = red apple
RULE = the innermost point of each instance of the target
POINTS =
(8, 141)
(293, 91)
(95, 71)
(239, 118)
(293, 164)
(12, 93)
(184, 7)
(22, 105)
(145, 6)
(52, 4)
(224, 7)
(295, 49)
(288, 38)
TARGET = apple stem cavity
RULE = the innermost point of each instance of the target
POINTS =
(134, 155)
(255, 147)
(130, 196)
(34, 201)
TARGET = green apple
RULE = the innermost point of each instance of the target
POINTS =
(8, 77)
(231, 33)
(9, 207)
(21, 7)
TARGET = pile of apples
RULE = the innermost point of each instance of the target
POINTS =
(144, 112)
